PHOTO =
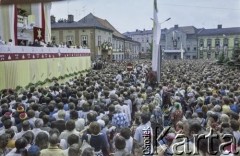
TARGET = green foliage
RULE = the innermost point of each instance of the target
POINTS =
(230, 63)
(150, 50)
(226, 60)
(18, 88)
(221, 58)
(48, 80)
(29, 85)
(54, 78)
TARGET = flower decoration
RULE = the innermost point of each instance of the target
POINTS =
(106, 46)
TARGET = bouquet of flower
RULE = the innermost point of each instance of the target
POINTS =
(106, 46)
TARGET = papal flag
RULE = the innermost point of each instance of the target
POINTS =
(38, 34)
(156, 39)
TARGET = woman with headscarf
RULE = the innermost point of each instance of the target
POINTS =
(177, 114)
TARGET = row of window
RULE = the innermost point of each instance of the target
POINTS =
(142, 40)
(218, 43)
(117, 56)
(84, 40)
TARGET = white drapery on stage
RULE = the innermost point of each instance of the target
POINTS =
(40, 17)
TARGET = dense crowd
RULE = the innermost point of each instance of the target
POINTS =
(42, 43)
(116, 112)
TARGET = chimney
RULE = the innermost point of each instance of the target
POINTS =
(53, 19)
(176, 26)
(70, 18)
(219, 26)
(136, 30)
(143, 29)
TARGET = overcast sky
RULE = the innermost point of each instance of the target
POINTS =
(129, 15)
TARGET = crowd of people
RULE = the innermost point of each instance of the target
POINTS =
(42, 43)
(117, 112)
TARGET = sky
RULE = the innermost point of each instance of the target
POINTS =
(129, 15)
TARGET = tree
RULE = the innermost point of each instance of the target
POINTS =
(150, 49)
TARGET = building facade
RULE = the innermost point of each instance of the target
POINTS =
(145, 37)
(214, 42)
(95, 33)
(193, 42)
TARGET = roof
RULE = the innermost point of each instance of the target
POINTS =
(107, 25)
(186, 29)
(138, 32)
(220, 31)
(143, 32)
(89, 21)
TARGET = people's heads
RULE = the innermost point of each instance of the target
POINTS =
(38, 123)
(120, 142)
(91, 116)
(61, 114)
(126, 133)
(85, 107)
(26, 125)
(31, 113)
(145, 109)
(60, 106)
(10, 132)
(42, 140)
(74, 150)
(20, 145)
(224, 118)
(179, 125)
(71, 106)
(94, 128)
(235, 125)
(70, 125)
(3, 141)
(34, 151)
(54, 140)
(29, 136)
(72, 139)
(101, 123)
(7, 123)
(74, 115)
(118, 108)
(227, 131)
(194, 127)
(89, 151)
(54, 130)
(105, 118)
(212, 117)
(145, 117)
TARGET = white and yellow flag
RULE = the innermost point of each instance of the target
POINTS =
(156, 39)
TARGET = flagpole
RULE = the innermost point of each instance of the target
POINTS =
(159, 64)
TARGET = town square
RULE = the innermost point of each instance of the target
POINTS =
(119, 77)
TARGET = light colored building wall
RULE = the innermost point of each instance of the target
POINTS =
(144, 39)
(214, 52)
(55, 34)
(100, 37)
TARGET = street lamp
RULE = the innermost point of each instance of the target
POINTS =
(163, 21)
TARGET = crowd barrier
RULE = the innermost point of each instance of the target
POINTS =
(20, 65)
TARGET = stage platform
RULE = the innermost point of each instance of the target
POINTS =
(20, 65)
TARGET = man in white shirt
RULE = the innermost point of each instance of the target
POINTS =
(25, 129)
(119, 77)
(38, 125)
